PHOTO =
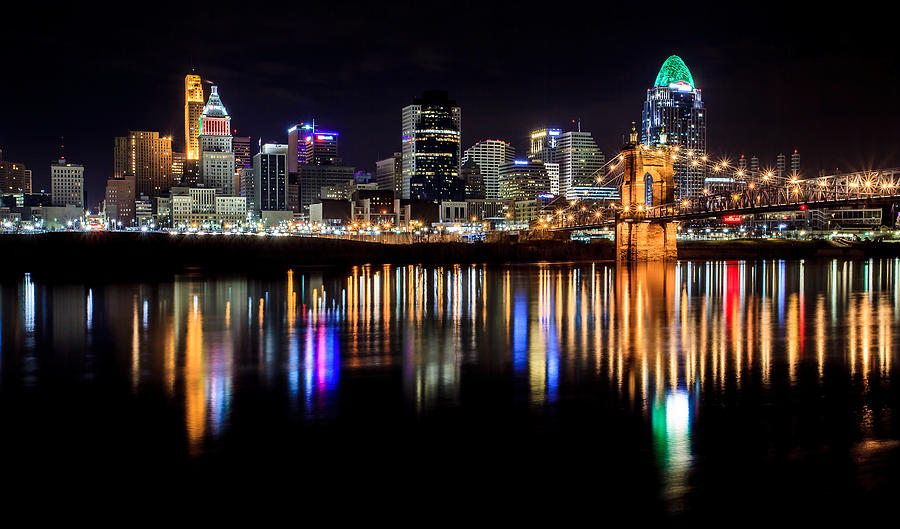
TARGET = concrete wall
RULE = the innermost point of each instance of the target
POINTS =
(646, 241)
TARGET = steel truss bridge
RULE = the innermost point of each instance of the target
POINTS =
(746, 194)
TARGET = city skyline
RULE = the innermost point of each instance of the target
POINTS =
(740, 78)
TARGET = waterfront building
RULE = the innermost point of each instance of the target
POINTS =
(193, 108)
(486, 209)
(388, 174)
(67, 184)
(580, 162)
(147, 157)
(523, 180)
(312, 178)
(270, 178)
(489, 155)
(118, 205)
(216, 151)
(674, 106)
(13, 177)
(430, 134)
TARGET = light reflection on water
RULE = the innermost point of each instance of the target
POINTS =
(667, 340)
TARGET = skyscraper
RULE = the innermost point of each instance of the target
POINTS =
(12, 177)
(580, 163)
(471, 173)
(270, 178)
(779, 165)
(388, 174)
(523, 180)
(490, 155)
(147, 157)
(193, 107)
(431, 148)
(543, 145)
(216, 154)
(674, 106)
(67, 184)
(795, 163)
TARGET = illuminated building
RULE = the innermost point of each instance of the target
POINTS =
(580, 163)
(193, 107)
(12, 177)
(543, 145)
(270, 178)
(241, 149)
(779, 165)
(312, 178)
(388, 173)
(146, 156)
(553, 173)
(489, 155)
(795, 163)
(67, 184)
(27, 183)
(320, 147)
(430, 134)
(119, 202)
(177, 167)
(216, 154)
(674, 106)
(297, 145)
(523, 180)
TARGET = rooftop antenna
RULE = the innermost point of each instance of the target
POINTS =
(62, 150)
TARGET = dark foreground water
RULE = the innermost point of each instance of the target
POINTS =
(726, 390)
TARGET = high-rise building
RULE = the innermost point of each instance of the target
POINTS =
(430, 133)
(580, 163)
(67, 184)
(320, 147)
(119, 202)
(388, 174)
(146, 156)
(193, 108)
(543, 145)
(674, 107)
(795, 163)
(241, 149)
(490, 155)
(216, 154)
(553, 174)
(471, 174)
(523, 180)
(312, 178)
(297, 145)
(270, 182)
(27, 184)
(12, 177)
(754, 166)
(177, 167)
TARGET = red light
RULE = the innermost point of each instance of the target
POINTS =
(803, 207)
(732, 219)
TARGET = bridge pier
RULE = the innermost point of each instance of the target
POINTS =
(645, 240)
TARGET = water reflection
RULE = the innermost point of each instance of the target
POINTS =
(666, 342)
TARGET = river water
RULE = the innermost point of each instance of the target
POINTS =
(689, 389)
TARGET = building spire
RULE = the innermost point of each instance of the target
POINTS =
(633, 138)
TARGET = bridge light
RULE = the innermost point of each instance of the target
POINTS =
(735, 197)
(854, 184)
(802, 207)
(694, 163)
(740, 173)
(751, 185)
(868, 183)
(641, 208)
(685, 203)
(627, 208)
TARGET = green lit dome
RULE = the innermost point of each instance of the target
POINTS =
(673, 71)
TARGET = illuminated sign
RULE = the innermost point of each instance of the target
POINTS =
(546, 196)
(521, 162)
(681, 86)
(554, 132)
(292, 129)
(732, 219)
(324, 137)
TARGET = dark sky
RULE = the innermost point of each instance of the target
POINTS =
(774, 78)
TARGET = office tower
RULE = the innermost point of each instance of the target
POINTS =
(320, 147)
(242, 156)
(67, 184)
(675, 106)
(193, 107)
(216, 154)
(474, 179)
(270, 182)
(27, 184)
(119, 202)
(543, 145)
(146, 156)
(177, 168)
(297, 145)
(13, 178)
(754, 166)
(580, 163)
(489, 155)
(742, 164)
(388, 174)
(795, 163)
(312, 178)
(553, 174)
(430, 133)
(779, 164)
(523, 180)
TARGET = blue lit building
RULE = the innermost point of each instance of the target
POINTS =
(431, 149)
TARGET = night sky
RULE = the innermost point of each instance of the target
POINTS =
(773, 79)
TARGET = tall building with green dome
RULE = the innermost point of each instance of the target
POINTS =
(674, 106)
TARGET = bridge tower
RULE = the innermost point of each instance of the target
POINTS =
(649, 181)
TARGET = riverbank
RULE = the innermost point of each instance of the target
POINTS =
(119, 253)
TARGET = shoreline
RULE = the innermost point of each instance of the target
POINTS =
(115, 254)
